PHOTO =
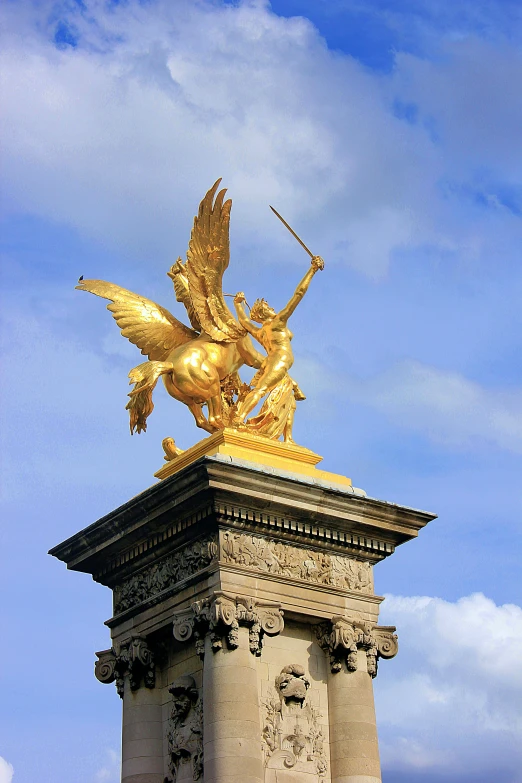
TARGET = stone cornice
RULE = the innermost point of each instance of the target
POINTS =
(214, 492)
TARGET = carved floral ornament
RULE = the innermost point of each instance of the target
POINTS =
(134, 658)
(221, 616)
(282, 559)
(166, 573)
(245, 550)
(342, 637)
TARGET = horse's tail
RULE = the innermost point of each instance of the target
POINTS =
(140, 406)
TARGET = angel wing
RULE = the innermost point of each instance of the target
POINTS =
(208, 256)
(148, 325)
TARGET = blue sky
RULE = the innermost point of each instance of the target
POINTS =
(388, 134)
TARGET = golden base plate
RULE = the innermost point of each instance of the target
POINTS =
(254, 448)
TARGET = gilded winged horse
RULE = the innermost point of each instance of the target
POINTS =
(194, 362)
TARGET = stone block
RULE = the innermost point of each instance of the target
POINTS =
(344, 767)
(139, 730)
(234, 728)
(232, 747)
(221, 711)
(143, 713)
(343, 732)
(140, 765)
(150, 747)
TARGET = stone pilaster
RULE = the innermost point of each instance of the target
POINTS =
(231, 725)
(142, 735)
(228, 634)
(353, 647)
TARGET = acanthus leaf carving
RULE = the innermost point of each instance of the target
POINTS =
(342, 637)
(134, 658)
(165, 573)
(221, 615)
(282, 559)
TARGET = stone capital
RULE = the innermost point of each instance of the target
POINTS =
(343, 636)
(134, 658)
(221, 615)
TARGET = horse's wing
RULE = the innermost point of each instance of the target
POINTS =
(146, 324)
(208, 256)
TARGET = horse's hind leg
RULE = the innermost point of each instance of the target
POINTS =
(215, 416)
(195, 409)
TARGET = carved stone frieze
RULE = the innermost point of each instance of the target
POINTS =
(342, 637)
(292, 736)
(185, 731)
(222, 615)
(134, 658)
(282, 559)
(166, 573)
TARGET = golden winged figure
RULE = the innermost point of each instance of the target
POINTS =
(199, 365)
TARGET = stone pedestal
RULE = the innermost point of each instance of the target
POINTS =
(244, 634)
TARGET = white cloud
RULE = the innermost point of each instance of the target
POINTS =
(444, 405)
(452, 699)
(6, 771)
(121, 136)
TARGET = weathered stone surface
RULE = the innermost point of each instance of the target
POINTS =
(251, 593)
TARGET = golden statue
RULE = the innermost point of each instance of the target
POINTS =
(199, 365)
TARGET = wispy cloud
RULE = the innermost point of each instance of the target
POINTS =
(445, 406)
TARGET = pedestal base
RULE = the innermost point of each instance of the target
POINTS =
(244, 634)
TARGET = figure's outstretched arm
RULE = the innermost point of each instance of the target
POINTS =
(242, 317)
(302, 288)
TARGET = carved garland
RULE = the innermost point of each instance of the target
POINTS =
(281, 559)
(343, 637)
(158, 577)
(134, 658)
(222, 615)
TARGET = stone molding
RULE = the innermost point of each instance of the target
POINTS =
(135, 659)
(166, 573)
(221, 615)
(342, 637)
(153, 541)
(279, 558)
(315, 532)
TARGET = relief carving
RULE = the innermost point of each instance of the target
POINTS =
(221, 616)
(166, 573)
(185, 731)
(281, 559)
(343, 637)
(134, 658)
(292, 736)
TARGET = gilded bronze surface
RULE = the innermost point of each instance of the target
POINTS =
(199, 364)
